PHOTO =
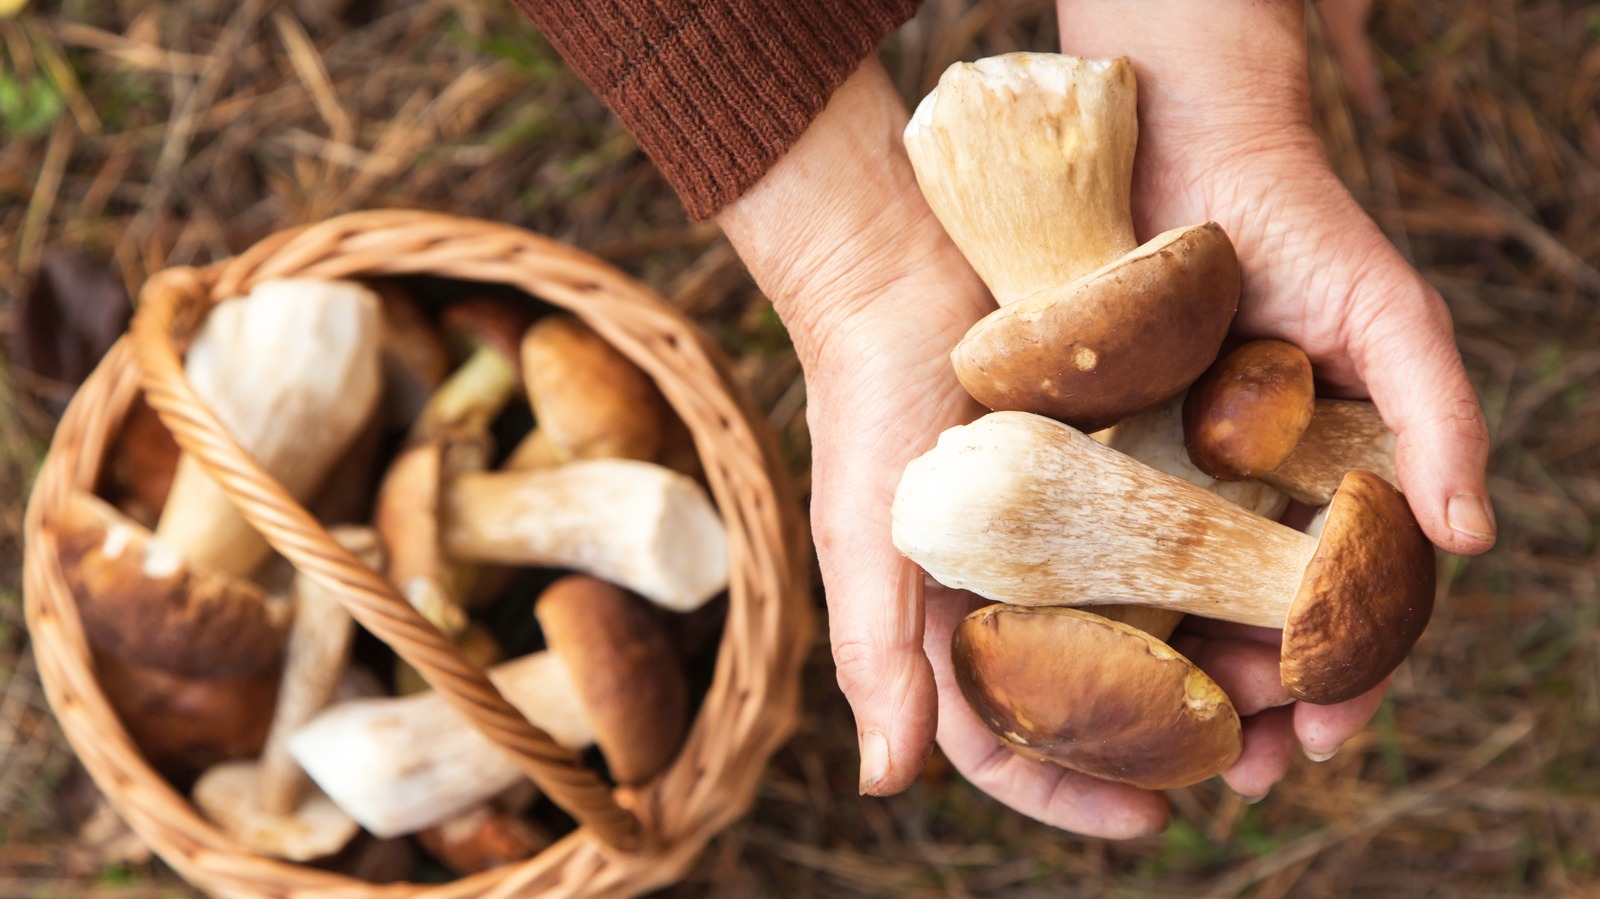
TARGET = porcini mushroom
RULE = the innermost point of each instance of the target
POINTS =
(187, 658)
(1027, 160)
(636, 524)
(589, 401)
(292, 371)
(142, 602)
(1102, 693)
(1254, 414)
(450, 437)
(401, 765)
(1094, 695)
(1020, 508)
(265, 803)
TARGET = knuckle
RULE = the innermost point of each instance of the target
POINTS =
(855, 665)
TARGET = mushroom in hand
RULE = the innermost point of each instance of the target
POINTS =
(1019, 508)
(1254, 414)
(1027, 160)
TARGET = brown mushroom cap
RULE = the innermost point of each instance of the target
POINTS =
(185, 725)
(589, 400)
(142, 602)
(1116, 341)
(1094, 695)
(1248, 411)
(627, 678)
(1365, 598)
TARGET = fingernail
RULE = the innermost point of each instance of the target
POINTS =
(1252, 800)
(1321, 756)
(874, 760)
(1469, 515)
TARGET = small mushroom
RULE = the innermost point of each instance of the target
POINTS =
(450, 437)
(638, 525)
(1022, 509)
(265, 803)
(292, 371)
(1102, 693)
(589, 401)
(1027, 160)
(404, 764)
(1254, 414)
(407, 517)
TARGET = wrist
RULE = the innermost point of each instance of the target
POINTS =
(838, 224)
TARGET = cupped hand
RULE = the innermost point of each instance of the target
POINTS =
(1226, 135)
(875, 295)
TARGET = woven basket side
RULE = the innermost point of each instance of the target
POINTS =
(752, 705)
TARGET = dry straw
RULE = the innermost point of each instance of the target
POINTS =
(628, 841)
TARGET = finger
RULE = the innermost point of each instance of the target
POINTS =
(1322, 729)
(1042, 791)
(874, 611)
(1406, 353)
(1269, 742)
(1246, 670)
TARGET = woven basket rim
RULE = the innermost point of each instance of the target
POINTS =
(752, 705)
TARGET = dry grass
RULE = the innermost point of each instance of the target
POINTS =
(163, 134)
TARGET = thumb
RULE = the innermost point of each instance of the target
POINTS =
(1406, 353)
(875, 614)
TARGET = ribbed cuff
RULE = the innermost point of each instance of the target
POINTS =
(715, 92)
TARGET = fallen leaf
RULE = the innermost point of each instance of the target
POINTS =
(75, 309)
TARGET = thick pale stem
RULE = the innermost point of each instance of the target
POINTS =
(292, 371)
(1027, 160)
(400, 765)
(1343, 436)
(1023, 509)
(1156, 439)
(319, 649)
(638, 525)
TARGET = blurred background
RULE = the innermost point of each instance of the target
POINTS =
(135, 136)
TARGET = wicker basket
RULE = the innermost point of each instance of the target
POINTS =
(628, 841)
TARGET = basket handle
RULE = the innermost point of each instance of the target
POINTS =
(171, 307)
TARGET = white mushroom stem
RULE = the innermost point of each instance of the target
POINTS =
(264, 803)
(1156, 439)
(401, 765)
(1023, 509)
(638, 525)
(292, 371)
(1343, 435)
(319, 651)
(1027, 160)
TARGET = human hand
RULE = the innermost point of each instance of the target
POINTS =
(875, 295)
(1226, 135)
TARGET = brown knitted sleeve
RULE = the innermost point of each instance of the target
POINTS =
(715, 91)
